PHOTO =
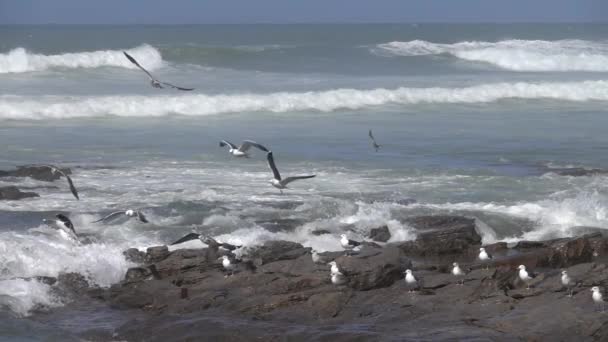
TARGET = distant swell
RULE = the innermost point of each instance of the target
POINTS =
(19, 60)
(516, 55)
(57, 107)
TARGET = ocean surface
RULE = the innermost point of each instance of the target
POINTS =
(472, 120)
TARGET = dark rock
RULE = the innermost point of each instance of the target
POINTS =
(134, 255)
(319, 232)
(576, 171)
(73, 282)
(12, 193)
(441, 235)
(374, 268)
(137, 274)
(380, 234)
(157, 253)
(36, 172)
(276, 250)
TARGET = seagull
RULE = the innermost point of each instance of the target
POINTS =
(598, 298)
(374, 144)
(334, 267)
(130, 213)
(338, 278)
(568, 282)
(459, 273)
(348, 244)
(241, 151)
(316, 258)
(55, 169)
(209, 241)
(525, 275)
(153, 81)
(228, 264)
(411, 281)
(64, 223)
(277, 182)
(484, 256)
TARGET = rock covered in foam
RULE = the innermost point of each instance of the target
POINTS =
(380, 234)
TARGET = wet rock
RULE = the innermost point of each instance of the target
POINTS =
(374, 268)
(157, 253)
(319, 232)
(441, 235)
(12, 193)
(276, 250)
(134, 255)
(576, 171)
(73, 282)
(137, 274)
(35, 172)
(380, 234)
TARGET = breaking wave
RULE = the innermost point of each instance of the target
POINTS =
(516, 55)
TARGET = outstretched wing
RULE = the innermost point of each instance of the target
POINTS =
(273, 167)
(294, 178)
(137, 64)
(176, 87)
(246, 145)
(111, 216)
(72, 187)
(66, 221)
(191, 236)
(141, 217)
(371, 136)
(227, 143)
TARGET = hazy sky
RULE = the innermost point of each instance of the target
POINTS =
(293, 11)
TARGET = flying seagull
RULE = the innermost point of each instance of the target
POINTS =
(64, 223)
(347, 243)
(153, 81)
(375, 145)
(130, 213)
(211, 242)
(277, 182)
(525, 275)
(241, 151)
(55, 169)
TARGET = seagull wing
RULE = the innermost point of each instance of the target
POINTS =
(246, 145)
(273, 167)
(72, 187)
(191, 236)
(371, 136)
(111, 216)
(294, 178)
(130, 58)
(176, 87)
(141, 217)
(227, 143)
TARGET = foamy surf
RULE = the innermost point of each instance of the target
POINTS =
(20, 60)
(515, 55)
(60, 107)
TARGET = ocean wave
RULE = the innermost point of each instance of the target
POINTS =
(58, 107)
(515, 55)
(19, 60)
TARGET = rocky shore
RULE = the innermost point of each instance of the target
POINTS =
(278, 293)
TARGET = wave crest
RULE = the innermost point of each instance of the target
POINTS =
(19, 60)
(515, 55)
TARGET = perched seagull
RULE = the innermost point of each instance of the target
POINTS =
(525, 275)
(598, 298)
(348, 244)
(374, 144)
(64, 223)
(334, 267)
(459, 273)
(55, 169)
(411, 281)
(130, 213)
(228, 264)
(484, 256)
(277, 182)
(568, 282)
(316, 258)
(338, 278)
(241, 151)
(153, 81)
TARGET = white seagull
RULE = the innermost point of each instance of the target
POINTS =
(55, 169)
(458, 273)
(241, 151)
(334, 267)
(484, 256)
(277, 181)
(129, 213)
(227, 264)
(153, 81)
(568, 282)
(338, 278)
(411, 281)
(598, 298)
(63, 223)
(525, 275)
(348, 244)
(375, 145)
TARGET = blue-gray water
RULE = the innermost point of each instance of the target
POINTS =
(470, 118)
